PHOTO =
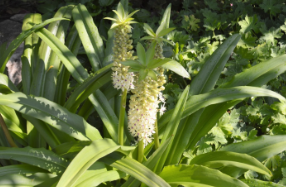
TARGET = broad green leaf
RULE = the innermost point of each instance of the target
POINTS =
(18, 180)
(67, 57)
(164, 32)
(73, 65)
(171, 130)
(20, 169)
(150, 53)
(141, 53)
(177, 68)
(16, 43)
(70, 149)
(39, 157)
(4, 79)
(87, 88)
(51, 113)
(135, 169)
(221, 95)
(102, 177)
(73, 43)
(221, 159)
(261, 148)
(159, 62)
(28, 56)
(210, 72)
(150, 162)
(52, 62)
(149, 30)
(89, 35)
(260, 183)
(152, 74)
(199, 176)
(142, 74)
(165, 20)
(86, 157)
(132, 64)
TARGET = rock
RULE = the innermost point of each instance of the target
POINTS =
(9, 30)
(18, 17)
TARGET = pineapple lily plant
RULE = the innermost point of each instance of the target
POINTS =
(47, 138)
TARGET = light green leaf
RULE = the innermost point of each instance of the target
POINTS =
(141, 53)
(261, 148)
(89, 35)
(39, 157)
(164, 32)
(177, 68)
(199, 176)
(135, 169)
(86, 157)
(221, 159)
(51, 113)
(165, 20)
(149, 30)
(15, 43)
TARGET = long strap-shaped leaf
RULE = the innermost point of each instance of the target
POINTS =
(53, 63)
(87, 88)
(51, 113)
(261, 148)
(135, 169)
(87, 156)
(79, 73)
(150, 163)
(18, 180)
(255, 76)
(20, 169)
(88, 32)
(39, 157)
(5, 56)
(221, 159)
(221, 95)
(199, 176)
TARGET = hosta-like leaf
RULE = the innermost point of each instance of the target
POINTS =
(199, 176)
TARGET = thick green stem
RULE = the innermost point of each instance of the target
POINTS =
(121, 118)
(140, 151)
(6, 132)
(156, 135)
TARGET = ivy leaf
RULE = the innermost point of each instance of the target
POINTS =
(269, 5)
(248, 24)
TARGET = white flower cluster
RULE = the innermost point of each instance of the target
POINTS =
(143, 110)
(123, 82)
(122, 50)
